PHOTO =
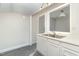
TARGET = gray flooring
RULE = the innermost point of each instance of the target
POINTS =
(24, 51)
(37, 54)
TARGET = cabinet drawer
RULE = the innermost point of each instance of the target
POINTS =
(53, 41)
(71, 47)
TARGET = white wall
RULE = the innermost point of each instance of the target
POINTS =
(14, 30)
(74, 18)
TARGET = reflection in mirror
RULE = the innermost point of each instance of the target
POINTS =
(60, 20)
(42, 24)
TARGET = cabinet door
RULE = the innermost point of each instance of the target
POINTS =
(53, 49)
(67, 52)
(42, 45)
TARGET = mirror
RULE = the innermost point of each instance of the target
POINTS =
(58, 23)
(42, 24)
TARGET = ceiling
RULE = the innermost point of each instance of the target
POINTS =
(24, 8)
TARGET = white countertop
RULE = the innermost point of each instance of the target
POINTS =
(71, 39)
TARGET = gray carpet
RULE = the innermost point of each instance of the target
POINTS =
(24, 51)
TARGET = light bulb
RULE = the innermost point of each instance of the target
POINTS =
(62, 14)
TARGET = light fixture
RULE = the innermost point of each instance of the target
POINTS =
(62, 14)
(44, 5)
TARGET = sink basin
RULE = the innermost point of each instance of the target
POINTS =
(54, 36)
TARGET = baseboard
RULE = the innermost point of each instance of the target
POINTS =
(12, 48)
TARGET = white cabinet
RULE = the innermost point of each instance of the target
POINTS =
(53, 49)
(42, 45)
(46, 47)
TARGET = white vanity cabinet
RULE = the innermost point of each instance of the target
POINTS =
(42, 45)
(53, 47)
